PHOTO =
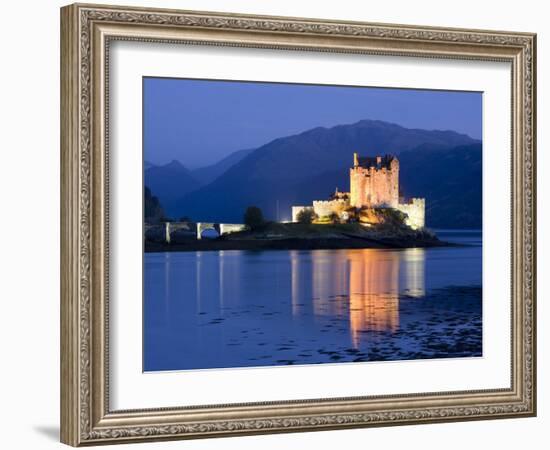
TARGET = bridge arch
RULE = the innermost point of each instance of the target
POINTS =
(168, 228)
(209, 233)
(204, 226)
(220, 228)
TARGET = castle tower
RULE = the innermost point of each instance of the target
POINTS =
(374, 182)
(355, 160)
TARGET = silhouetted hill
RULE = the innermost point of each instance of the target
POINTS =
(206, 175)
(170, 182)
(153, 209)
(297, 169)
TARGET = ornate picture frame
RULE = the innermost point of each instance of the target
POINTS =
(87, 32)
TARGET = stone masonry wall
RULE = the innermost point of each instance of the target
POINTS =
(375, 186)
(327, 207)
(415, 210)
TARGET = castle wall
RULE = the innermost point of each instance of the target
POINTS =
(416, 212)
(375, 186)
(357, 189)
(327, 207)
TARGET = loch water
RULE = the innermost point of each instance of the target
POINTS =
(223, 309)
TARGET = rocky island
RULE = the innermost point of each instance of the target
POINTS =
(298, 236)
(371, 215)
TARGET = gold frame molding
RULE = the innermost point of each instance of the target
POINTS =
(86, 31)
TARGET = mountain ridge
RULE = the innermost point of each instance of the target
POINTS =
(169, 181)
(270, 175)
(205, 175)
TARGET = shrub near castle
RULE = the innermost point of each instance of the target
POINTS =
(306, 216)
(382, 216)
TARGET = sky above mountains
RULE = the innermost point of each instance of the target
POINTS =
(199, 122)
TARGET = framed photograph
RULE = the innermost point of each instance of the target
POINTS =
(275, 224)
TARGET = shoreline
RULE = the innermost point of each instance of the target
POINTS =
(293, 244)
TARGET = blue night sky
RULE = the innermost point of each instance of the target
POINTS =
(199, 122)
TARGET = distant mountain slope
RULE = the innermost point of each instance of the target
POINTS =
(170, 182)
(148, 165)
(451, 182)
(303, 167)
(206, 175)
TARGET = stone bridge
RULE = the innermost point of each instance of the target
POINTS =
(196, 228)
(220, 228)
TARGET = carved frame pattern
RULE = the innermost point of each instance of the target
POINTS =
(86, 33)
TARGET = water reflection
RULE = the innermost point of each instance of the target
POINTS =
(238, 308)
(373, 293)
(414, 262)
(362, 286)
(364, 283)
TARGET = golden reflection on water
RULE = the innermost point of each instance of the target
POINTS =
(373, 292)
(364, 284)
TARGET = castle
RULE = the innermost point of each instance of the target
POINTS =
(374, 183)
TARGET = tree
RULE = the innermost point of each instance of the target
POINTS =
(153, 209)
(253, 217)
(306, 216)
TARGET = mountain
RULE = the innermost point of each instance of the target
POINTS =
(449, 179)
(451, 182)
(298, 169)
(148, 165)
(206, 175)
(170, 182)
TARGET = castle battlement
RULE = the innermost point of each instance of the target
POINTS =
(331, 202)
(412, 201)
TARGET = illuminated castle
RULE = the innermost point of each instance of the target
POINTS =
(374, 183)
